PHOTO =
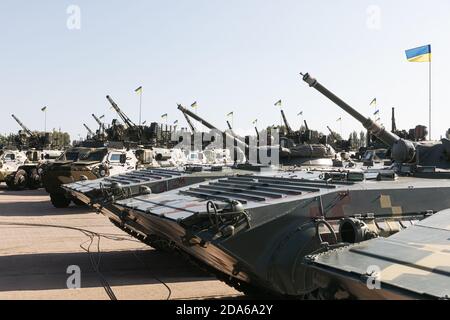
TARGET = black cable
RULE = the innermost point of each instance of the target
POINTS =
(95, 264)
(154, 276)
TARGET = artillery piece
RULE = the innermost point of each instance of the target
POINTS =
(411, 157)
(130, 133)
(27, 139)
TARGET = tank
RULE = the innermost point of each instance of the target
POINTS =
(307, 233)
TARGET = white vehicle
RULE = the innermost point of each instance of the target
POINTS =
(28, 174)
(108, 162)
(196, 158)
(218, 156)
(10, 161)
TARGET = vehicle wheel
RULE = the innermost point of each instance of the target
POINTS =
(59, 200)
(8, 181)
(34, 181)
(78, 203)
(18, 180)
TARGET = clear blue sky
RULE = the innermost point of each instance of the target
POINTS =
(229, 55)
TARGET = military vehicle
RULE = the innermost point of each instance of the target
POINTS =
(284, 232)
(26, 139)
(90, 164)
(94, 163)
(28, 174)
(154, 135)
(10, 161)
(297, 147)
(36, 147)
(210, 141)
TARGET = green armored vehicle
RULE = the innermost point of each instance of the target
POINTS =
(84, 164)
(309, 234)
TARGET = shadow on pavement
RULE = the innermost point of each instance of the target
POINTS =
(120, 268)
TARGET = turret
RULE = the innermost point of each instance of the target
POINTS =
(402, 150)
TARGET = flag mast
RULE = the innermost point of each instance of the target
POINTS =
(429, 92)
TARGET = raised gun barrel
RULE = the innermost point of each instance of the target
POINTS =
(402, 150)
(187, 112)
(125, 119)
(88, 129)
(286, 123)
(332, 134)
(28, 131)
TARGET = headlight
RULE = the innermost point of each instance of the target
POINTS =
(102, 173)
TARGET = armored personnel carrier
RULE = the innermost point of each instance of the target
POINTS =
(28, 174)
(10, 161)
(310, 233)
(36, 147)
(88, 165)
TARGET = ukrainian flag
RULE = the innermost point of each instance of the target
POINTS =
(420, 54)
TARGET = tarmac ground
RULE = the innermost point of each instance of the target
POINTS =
(44, 250)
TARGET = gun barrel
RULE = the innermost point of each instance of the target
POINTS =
(124, 117)
(88, 129)
(196, 117)
(209, 125)
(288, 127)
(28, 131)
(385, 136)
(332, 133)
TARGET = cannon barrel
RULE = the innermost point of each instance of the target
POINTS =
(88, 129)
(28, 131)
(332, 133)
(387, 137)
(196, 117)
(187, 112)
(306, 125)
(402, 150)
(125, 119)
(286, 123)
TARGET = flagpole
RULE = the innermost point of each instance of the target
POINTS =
(45, 120)
(429, 111)
(140, 109)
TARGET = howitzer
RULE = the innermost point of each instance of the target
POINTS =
(187, 112)
(402, 150)
(88, 129)
(333, 134)
(100, 123)
(122, 115)
(191, 126)
(286, 124)
(27, 131)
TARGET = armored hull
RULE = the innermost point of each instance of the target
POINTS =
(254, 231)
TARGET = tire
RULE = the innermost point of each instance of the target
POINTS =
(18, 180)
(34, 181)
(59, 200)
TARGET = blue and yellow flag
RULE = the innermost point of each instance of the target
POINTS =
(420, 54)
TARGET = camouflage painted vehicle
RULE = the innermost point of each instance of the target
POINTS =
(87, 164)
(284, 232)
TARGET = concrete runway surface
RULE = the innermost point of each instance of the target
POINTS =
(34, 259)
